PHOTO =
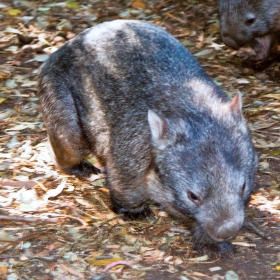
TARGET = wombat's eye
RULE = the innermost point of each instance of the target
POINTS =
(243, 189)
(250, 21)
(194, 198)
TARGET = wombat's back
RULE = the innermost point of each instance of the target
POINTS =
(99, 85)
(135, 62)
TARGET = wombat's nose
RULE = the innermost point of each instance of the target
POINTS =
(230, 42)
(228, 230)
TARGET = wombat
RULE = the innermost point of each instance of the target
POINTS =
(131, 94)
(254, 23)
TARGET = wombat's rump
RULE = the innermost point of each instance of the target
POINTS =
(130, 93)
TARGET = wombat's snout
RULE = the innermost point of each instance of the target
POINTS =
(227, 231)
(229, 41)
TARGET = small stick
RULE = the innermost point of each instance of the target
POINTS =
(267, 132)
(111, 265)
(179, 230)
(27, 219)
(250, 226)
(159, 6)
(175, 18)
(68, 216)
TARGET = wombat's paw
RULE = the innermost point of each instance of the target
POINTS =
(141, 213)
(224, 250)
(84, 169)
(130, 214)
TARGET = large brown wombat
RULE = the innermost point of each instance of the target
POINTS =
(130, 93)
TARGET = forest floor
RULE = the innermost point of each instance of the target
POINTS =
(59, 227)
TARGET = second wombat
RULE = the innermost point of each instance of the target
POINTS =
(252, 23)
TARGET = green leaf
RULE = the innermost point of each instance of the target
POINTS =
(2, 100)
(73, 5)
(273, 153)
(14, 12)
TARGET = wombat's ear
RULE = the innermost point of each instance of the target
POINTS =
(235, 105)
(158, 127)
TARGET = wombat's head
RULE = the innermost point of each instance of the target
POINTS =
(242, 22)
(204, 166)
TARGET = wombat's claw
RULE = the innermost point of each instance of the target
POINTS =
(226, 250)
(84, 169)
(89, 168)
(130, 214)
(148, 213)
(94, 177)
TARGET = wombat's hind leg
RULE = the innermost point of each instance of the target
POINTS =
(69, 154)
(129, 214)
(83, 169)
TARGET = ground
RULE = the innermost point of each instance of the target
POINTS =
(59, 227)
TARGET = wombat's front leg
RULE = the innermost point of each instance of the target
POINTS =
(224, 250)
(139, 213)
